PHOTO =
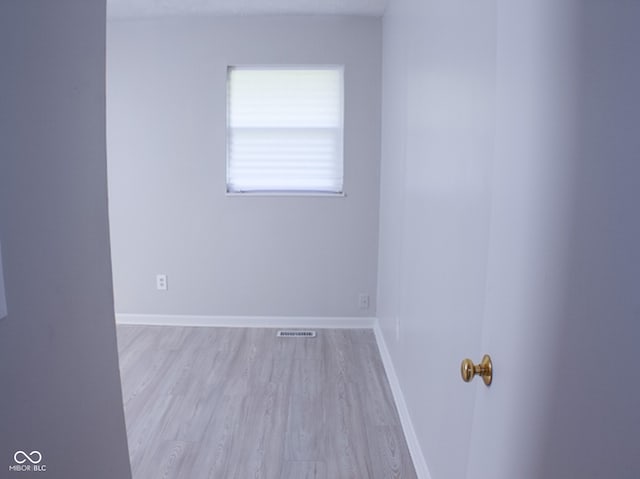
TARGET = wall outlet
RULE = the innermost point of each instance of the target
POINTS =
(161, 282)
(363, 301)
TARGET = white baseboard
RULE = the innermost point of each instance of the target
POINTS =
(246, 321)
(415, 450)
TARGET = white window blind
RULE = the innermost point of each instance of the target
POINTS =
(285, 129)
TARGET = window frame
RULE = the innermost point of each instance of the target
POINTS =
(340, 68)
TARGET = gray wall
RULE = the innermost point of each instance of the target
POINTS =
(231, 255)
(58, 363)
(3, 299)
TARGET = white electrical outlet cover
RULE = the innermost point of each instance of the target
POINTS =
(3, 298)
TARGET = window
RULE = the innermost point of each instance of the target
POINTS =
(285, 129)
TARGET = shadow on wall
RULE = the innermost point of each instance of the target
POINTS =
(593, 413)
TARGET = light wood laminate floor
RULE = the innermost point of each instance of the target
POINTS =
(240, 403)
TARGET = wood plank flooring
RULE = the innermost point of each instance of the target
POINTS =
(236, 403)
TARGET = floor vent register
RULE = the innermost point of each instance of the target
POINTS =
(296, 334)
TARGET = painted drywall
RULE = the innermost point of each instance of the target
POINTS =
(3, 297)
(58, 361)
(550, 284)
(438, 128)
(232, 255)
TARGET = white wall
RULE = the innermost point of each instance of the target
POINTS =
(230, 255)
(60, 385)
(438, 128)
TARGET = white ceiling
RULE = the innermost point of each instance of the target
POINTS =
(157, 8)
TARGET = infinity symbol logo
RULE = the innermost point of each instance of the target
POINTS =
(27, 457)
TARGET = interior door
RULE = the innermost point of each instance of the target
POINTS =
(563, 270)
(438, 96)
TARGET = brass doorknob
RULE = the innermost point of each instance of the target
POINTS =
(484, 369)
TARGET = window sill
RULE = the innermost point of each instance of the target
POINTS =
(285, 194)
